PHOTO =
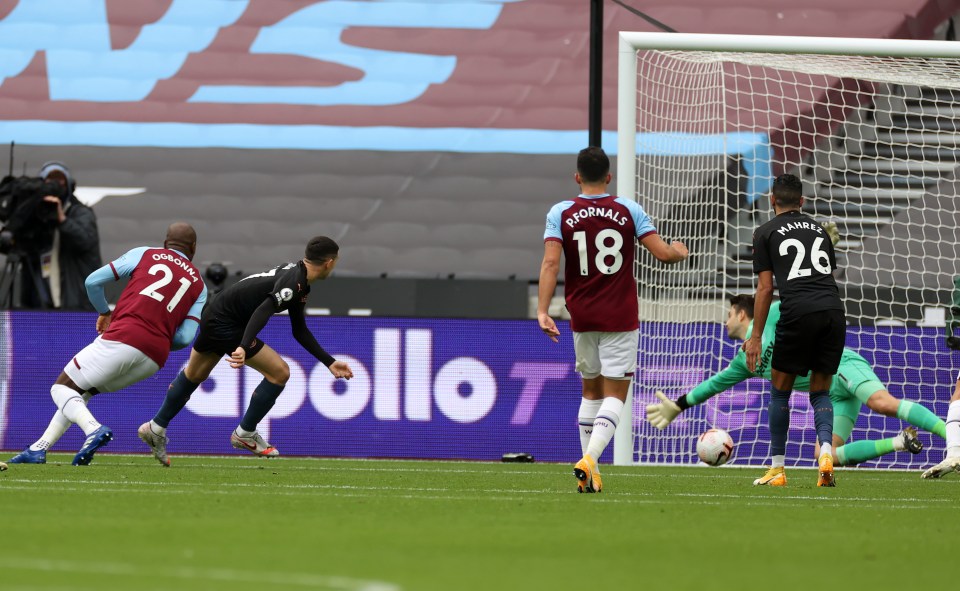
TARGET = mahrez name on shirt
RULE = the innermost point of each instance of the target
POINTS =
(799, 226)
(588, 212)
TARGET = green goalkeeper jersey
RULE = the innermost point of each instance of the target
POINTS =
(737, 371)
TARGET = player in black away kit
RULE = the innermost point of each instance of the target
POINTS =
(795, 248)
(230, 326)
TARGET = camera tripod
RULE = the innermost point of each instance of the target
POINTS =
(15, 268)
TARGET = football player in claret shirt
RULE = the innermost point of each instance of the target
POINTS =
(796, 250)
(229, 327)
(597, 232)
(159, 309)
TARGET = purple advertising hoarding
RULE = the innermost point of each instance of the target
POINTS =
(421, 389)
(457, 389)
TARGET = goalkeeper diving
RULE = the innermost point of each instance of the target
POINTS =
(854, 385)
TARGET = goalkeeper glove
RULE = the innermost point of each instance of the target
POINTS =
(832, 231)
(661, 415)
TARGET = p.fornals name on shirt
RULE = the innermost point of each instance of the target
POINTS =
(588, 212)
(799, 226)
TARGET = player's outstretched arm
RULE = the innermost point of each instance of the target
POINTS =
(547, 286)
(671, 253)
(662, 414)
(298, 323)
(340, 369)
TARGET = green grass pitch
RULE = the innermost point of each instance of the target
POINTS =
(297, 523)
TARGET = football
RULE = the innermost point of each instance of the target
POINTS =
(715, 447)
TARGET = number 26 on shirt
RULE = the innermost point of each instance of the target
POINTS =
(818, 258)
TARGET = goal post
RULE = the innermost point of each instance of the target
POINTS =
(872, 128)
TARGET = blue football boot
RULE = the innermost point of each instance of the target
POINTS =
(29, 457)
(95, 441)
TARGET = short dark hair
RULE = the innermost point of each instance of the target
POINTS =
(787, 190)
(320, 249)
(743, 303)
(593, 165)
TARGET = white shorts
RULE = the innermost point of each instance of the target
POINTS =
(109, 366)
(612, 355)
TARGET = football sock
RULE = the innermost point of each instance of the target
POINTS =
(825, 449)
(73, 407)
(55, 430)
(953, 429)
(778, 412)
(856, 452)
(178, 394)
(822, 416)
(586, 415)
(778, 461)
(264, 396)
(920, 416)
(157, 428)
(604, 426)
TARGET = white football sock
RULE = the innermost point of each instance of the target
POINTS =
(953, 429)
(242, 433)
(604, 426)
(157, 429)
(55, 430)
(73, 407)
(778, 461)
(586, 415)
(898, 443)
(825, 449)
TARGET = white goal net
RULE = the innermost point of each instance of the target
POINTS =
(876, 141)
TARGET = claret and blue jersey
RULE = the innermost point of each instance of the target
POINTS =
(160, 306)
(598, 234)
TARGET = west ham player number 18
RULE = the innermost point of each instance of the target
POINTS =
(597, 233)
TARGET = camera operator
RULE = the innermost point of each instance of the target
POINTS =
(59, 245)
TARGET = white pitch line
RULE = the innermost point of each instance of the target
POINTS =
(422, 492)
(556, 498)
(335, 583)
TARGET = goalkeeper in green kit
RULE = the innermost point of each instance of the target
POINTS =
(854, 385)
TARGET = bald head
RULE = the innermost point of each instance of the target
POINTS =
(181, 236)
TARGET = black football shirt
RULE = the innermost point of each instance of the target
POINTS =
(800, 254)
(285, 285)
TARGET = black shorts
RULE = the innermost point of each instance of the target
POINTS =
(810, 342)
(223, 340)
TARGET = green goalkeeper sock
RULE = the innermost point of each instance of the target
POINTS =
(920, 416)
(861, 451)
